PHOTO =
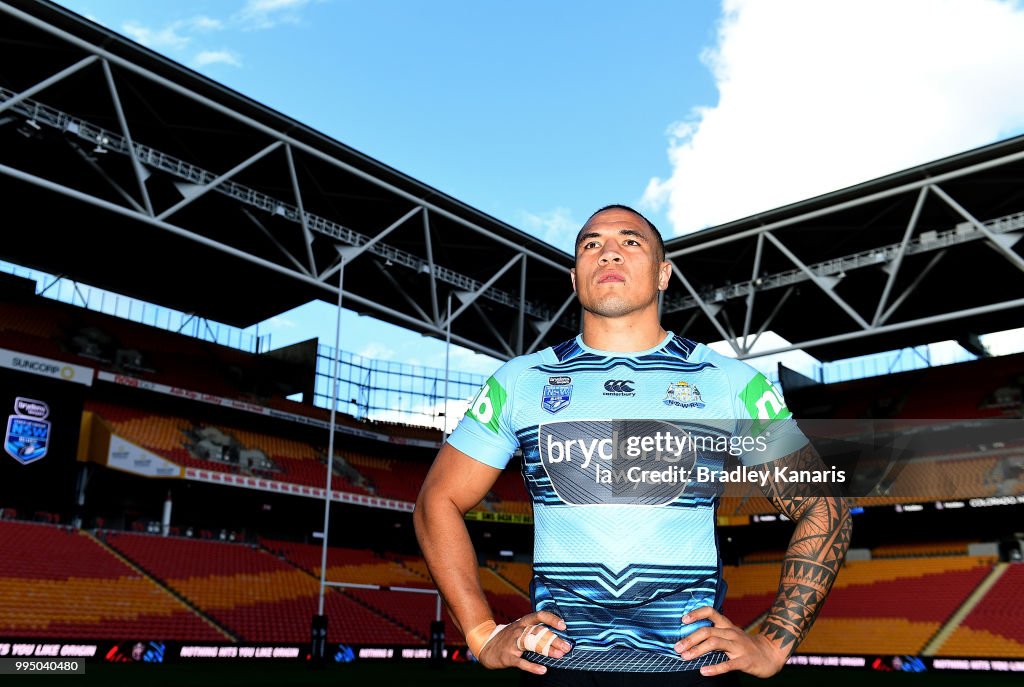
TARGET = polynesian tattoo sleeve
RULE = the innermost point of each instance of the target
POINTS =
(816, 550)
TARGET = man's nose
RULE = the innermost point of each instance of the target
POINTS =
(610, 254)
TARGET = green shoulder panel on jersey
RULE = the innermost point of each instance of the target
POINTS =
(763, 403)
(489, 402)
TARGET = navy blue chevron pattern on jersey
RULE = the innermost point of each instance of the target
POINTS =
(621, 560)
(566, 349)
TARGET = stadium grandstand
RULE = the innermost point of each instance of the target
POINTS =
(174, 508)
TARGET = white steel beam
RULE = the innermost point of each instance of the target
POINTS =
(248, 196)
(755, 272)
(140, 173)
(302, 210)
(521, 315)
(884, 329)
(47, 82)
(821, 283)
(231, 250)
(273, 239)
(545, 327)
(491, 328)
(912, 286)
(704, 306)
(870, 198)
(205, 188)
(771, 318)
(894, 266)
(259, 126)
(476, 294)
(106, 177)
(689, 322)
(1006, 251)
(403, 293)
(350, 253)
(428, 241)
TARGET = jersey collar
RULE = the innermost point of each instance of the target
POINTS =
(623, 354)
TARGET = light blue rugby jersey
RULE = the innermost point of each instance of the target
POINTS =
(620, 557)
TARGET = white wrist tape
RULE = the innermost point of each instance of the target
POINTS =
(536, 638)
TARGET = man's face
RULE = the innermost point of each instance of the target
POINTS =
(618, 271)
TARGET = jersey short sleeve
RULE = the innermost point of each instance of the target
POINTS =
(763, 420)
(485, 433)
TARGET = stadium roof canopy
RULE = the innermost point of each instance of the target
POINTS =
(927, 254)
(123, 169)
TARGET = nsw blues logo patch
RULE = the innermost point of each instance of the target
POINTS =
(684, 395)
(28, 431)
(556, 397)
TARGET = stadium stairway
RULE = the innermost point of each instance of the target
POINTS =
(994, 624)
(252, 591)
(876, 605)
(61, 582)
(181, 599)
(961, 613)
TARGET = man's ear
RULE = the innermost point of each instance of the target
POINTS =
(664, 275)
(572, 277)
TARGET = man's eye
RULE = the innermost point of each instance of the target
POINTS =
(632, 242)
(590, 244)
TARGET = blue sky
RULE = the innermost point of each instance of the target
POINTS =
(699, 112)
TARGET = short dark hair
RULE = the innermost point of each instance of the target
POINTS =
(618, 206)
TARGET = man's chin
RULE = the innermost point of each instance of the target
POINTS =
(611, 307)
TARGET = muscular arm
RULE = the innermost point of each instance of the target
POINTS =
(454, 484)
(816, 550)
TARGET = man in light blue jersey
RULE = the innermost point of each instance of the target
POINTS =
(622, 431)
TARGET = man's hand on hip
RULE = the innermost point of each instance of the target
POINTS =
(752, 654)
(532, 632)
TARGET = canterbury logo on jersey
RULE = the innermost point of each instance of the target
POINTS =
(619, 387)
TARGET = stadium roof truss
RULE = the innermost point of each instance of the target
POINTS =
(929, 254)
(105, 141)
(137, 175)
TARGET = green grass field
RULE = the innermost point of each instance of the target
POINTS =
(416, 674)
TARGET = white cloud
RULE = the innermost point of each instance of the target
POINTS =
(377, 351)
(208, 57)
(282, 322)
(557, 227)
(265, 14)
(165, 38)
(173, 36)
(461, 360)
(816, 96)
(204, 23)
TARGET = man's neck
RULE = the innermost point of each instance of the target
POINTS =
(637, 332)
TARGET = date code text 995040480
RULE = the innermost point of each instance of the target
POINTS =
(21, 666)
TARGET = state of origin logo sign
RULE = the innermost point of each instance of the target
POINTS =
(28, 431)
